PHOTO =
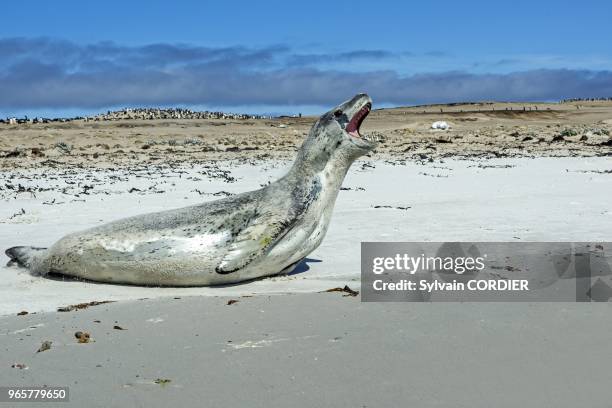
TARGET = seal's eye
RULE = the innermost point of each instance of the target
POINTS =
(338, 113)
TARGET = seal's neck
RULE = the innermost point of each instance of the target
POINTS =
(330, 172)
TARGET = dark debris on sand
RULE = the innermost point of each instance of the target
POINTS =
(348, 291)
(80, 306)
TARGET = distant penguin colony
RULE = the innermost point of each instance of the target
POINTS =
(140, 114)
(247, 236)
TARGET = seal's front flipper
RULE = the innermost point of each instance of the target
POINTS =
(22, 255)
(256, 239)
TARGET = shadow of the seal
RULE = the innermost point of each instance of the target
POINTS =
(303, 266)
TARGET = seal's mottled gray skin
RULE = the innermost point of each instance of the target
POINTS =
(250, 235)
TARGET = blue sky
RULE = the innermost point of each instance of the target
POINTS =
(69, 57)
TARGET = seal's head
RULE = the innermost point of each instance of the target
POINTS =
(335, 136)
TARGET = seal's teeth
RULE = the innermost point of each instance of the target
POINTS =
(375, 137)
(371, 137)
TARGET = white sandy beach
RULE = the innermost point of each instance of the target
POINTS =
(542, 199)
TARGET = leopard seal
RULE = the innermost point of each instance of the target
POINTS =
(250, 235)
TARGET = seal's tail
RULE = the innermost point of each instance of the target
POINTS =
(22, 255)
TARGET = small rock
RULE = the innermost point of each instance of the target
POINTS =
(37, 152)
(46, 345)
(82, 337)
(557, 138)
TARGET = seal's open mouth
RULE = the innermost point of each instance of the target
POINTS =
(352, 128)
